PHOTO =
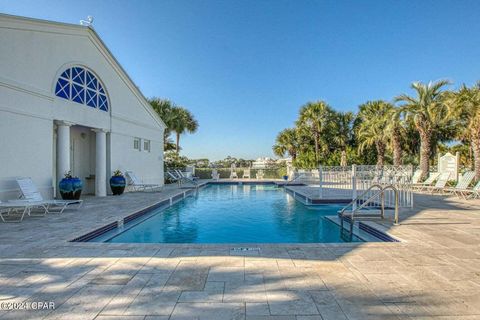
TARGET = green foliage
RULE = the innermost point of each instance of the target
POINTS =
(176, 118)
(174, 160)
(117, 173)
(382, 132)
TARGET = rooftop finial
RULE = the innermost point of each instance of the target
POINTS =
(87, 22)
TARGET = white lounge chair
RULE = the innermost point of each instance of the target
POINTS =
(470, 193)
(185, 177)
(246, 173)
(233, 172)
(137, 185)
(33, 197)
(215, 174)
(440, 184)
(21, 207)
(416, 176)
(428, 182)
(462, 183)
(188, 175)
(260, 174)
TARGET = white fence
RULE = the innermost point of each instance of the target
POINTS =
(342, 182)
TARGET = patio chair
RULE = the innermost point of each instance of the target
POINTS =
(473, 193)
(246, 173)
(462, 183)
(260, 174)
(416, 176)
(137, 185)
(470, 193)
(233, 172)
(440, 184)
(21, 207)
(33, 197)
(428, 182)
(215, 174)
(184, 177)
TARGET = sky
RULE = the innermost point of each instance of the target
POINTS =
(244, 68)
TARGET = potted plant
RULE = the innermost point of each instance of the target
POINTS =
(70, 187)
(117, 182)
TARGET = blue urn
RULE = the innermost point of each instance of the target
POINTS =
(117, 184)
(70, 187)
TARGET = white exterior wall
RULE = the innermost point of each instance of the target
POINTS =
(32, 56)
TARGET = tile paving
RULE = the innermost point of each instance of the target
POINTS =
(434, 273)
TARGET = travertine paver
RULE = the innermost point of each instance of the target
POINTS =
(434, 273)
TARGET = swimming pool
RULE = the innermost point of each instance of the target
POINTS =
(235, 214)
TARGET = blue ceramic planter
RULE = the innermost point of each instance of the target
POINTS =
(117, 184)
(70, 188)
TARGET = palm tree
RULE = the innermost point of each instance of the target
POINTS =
(374, 117)
(396, 131)
(164, 109)
(183, 121)
(464, 105)
(176, 118)
(286, 142)
(316, 119)
(428, 111)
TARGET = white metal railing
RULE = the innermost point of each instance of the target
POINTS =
(400, 177)
(373, 196)
(307, 177)
(346, 182)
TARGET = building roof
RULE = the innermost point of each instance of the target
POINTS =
(93, 35)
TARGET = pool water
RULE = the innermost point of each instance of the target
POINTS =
(237, 214)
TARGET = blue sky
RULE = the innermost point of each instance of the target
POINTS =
(245, 67)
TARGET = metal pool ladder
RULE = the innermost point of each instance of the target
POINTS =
(365, 201)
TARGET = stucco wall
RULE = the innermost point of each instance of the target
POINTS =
(24, 154)
(33, 55)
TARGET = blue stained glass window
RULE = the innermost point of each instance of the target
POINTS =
(78, 93)
(91, 98)
(80, 85)
(62, 89)
(102, 102)
(91, 81)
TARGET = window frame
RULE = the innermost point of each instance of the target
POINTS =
(139, 147)
(147, 145)
(79, 84)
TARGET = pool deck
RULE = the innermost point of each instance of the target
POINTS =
(434, 273)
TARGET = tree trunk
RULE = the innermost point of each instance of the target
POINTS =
(475, 137)
(316, 148)
(476, 157)
(425, 151)
(177, 147)
(397, 149)
(380, 153)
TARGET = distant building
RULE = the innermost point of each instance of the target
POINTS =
(263, 163)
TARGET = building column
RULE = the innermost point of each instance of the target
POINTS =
(63, 149)
(100, 163)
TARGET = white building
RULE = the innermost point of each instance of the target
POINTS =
(67, 104)
(262, 163)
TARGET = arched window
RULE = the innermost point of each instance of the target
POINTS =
(80, 85)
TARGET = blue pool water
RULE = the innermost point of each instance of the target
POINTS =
(237, 214)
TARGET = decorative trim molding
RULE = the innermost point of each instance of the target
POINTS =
(25, 88)
(24, 113)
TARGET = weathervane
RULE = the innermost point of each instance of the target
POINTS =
(87, 22)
